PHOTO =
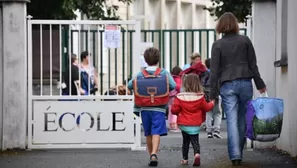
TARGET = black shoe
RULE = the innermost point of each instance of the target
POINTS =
(236, 162)
(153, 161)
(209, 135)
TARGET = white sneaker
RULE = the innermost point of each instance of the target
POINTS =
(209, 135)
(175, 130)
(217, 135)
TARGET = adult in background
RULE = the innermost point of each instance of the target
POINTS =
(195, 58)
(88, 73)
(71, 88)
(233, 66)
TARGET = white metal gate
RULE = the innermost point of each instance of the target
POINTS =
(78, 121)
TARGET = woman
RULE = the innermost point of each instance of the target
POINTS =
(195, 58)
(233, 66)
(88, 71)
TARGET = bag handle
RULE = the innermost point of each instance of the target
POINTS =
(265, 94)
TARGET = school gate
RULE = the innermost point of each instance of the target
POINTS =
(91, 122)
(176, 45)
(76, 121)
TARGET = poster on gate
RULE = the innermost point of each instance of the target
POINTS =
(112, 36)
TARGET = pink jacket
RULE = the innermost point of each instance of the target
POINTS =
(177, 80)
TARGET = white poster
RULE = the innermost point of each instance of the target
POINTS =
(112, 36)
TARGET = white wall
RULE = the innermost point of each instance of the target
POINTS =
(186, 15)
(154, 11)
(1, 88)
(264, 25)
(282, 78)
(292, 52)
(170, 18)
(269, 31)
(174, 14)
(200, 15)
(264, 34)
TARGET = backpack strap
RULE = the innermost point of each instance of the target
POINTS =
(145, 73)
(157, 72)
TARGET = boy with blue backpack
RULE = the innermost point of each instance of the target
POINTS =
(151, 90)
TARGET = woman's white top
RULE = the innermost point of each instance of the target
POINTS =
(90, 71)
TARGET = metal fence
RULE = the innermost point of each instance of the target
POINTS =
(175, 45)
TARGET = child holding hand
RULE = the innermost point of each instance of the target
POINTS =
(190, 107)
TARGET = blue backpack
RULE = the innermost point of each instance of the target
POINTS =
(151, 89)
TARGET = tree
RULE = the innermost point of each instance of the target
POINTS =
(240, 8)
(64, 9)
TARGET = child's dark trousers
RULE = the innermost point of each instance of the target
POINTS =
(187, 139)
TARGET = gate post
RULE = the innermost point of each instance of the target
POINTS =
(135, 70)
(13, 63)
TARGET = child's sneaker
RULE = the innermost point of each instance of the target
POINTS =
(184, 162)
(176, 130)
(209, 135)
(217, 135)
(196, 160)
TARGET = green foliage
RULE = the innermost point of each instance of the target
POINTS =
(64, 9)
(240, 8)
(274, 126)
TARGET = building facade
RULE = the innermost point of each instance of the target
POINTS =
(168, 14)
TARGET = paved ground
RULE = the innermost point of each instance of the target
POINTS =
(214, 155)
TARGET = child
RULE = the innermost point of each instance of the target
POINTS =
(172, 118)
(190, 107)
(214, 117)
(151, 94)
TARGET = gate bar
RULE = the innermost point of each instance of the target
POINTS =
(83, 22)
